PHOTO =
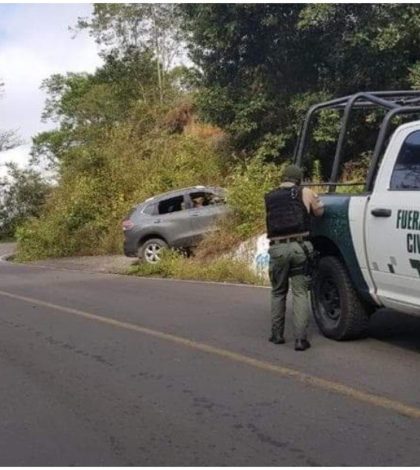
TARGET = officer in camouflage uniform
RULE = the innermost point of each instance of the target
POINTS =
(288, 211)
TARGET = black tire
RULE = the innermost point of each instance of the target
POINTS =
(338, 310)
(151, 250)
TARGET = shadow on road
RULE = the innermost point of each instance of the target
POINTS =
(396, 328)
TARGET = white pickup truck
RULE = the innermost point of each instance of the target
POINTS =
(369, 244)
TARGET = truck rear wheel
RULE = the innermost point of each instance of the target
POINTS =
(338, 310)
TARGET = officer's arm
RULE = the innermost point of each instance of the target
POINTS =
(315, 204)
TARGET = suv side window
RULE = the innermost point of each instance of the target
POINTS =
(173, 204)
(151, 209)
(406, 173)
(205, 198)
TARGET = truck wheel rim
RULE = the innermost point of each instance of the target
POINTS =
(329, 297)
(152, 253)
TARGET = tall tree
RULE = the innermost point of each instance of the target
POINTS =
(22, 195)
(150, 27)
(262, 65)
(85, 106)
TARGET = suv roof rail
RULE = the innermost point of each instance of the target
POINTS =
(395, 102)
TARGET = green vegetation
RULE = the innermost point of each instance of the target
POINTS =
(23, 194)
(247, 185)
(140, 125)
(83, 216)
(174, 265)
(265, 64)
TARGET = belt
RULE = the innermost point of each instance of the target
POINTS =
(287, 240)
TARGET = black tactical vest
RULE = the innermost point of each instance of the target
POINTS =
(286, 213)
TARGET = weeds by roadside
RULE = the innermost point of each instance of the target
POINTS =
(174, 265)
(219, 242)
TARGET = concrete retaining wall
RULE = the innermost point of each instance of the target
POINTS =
(255, 253)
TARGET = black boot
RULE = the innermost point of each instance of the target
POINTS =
(276, 338)
(302, 344)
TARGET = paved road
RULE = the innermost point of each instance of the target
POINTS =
(107, 370)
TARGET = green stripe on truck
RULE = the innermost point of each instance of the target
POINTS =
(334, 227)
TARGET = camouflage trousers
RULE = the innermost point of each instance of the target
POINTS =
(287, 261)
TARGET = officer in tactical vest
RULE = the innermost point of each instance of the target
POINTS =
(288, 211)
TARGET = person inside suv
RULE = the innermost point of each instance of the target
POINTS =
(198, 202)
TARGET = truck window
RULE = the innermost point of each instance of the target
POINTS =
(406, 173)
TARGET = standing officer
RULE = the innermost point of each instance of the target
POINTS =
(288, 211)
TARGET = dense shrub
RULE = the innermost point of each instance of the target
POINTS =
(246, 188)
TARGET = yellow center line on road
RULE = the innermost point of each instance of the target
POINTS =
(331, 386)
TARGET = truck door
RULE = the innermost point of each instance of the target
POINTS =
(393, 222)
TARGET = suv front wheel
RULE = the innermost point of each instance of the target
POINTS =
(151, 250)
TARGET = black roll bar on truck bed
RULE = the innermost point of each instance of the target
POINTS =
(395, 102)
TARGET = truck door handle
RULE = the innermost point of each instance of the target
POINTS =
(381, 212)
(157, 221)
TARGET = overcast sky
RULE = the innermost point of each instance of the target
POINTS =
(34, 43)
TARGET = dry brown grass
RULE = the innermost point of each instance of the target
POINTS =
(178, 118)
(219, 242)
(203, 131)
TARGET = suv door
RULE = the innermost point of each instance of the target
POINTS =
(173, 221)
(393, 223)
(204, 217)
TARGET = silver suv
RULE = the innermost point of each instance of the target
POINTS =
(177, 219)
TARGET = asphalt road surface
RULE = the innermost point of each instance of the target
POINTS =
(107, 370)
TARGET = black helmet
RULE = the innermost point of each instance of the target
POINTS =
(293, 173)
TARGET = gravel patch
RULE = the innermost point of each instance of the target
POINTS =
(114, 264)
(7, 249)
